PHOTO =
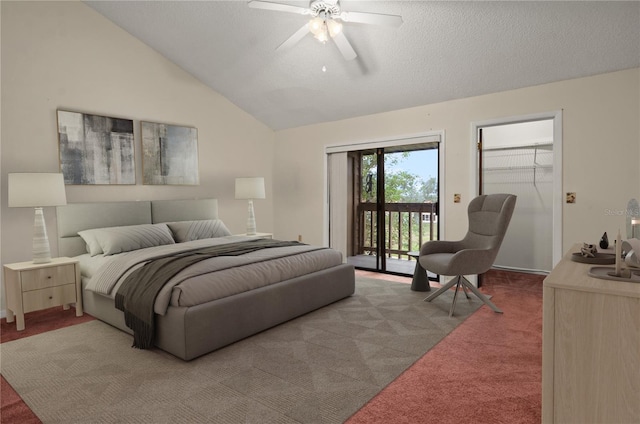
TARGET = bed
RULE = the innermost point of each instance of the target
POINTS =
(188, 328)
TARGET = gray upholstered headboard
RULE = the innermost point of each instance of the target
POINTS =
(183, 210)
(76, 217)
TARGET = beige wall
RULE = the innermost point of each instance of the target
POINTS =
(601, 146)
(65, 55)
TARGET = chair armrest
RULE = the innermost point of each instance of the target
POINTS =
(439, 246)
(472, 261)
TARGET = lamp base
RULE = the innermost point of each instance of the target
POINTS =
(251, 220)
(41, 250)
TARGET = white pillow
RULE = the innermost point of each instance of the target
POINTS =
(196, 230)
(89, 237)
(112, 240)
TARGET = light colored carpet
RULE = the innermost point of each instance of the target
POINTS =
(319, 368)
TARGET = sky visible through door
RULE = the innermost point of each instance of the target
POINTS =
(423, 163)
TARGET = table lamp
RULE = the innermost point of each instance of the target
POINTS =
(250, 188)
(37, 190)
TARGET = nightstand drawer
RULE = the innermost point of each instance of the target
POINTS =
(36, 300)
(41, 278)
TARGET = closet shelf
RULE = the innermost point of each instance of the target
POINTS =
(514, 168)
(541, 146)
(540, 154)
(533, 168)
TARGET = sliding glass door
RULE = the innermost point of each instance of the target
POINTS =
(395, 205)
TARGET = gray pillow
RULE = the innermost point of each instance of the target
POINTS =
(196, 230)
(112, 240)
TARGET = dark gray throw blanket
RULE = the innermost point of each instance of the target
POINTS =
(137, 293)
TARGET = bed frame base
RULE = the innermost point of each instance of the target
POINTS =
(189, 332)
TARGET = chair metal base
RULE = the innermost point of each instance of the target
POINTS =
(464, 283)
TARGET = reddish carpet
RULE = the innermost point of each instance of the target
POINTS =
(14, 410)
(488, 370)
(41, 321)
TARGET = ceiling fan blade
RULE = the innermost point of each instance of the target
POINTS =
(297, 36)
(344, 46)
(372, 18)
(278, 7)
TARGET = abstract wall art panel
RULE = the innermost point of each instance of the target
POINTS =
(169, 154)
(96, 149)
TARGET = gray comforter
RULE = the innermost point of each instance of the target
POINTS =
(214, 278)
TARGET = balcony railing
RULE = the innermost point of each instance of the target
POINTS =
(407, 227)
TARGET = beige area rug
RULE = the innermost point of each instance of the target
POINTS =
(319, 368)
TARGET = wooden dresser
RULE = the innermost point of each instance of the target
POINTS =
(590, 347)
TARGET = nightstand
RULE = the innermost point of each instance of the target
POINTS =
(257, 235)
(33, 287)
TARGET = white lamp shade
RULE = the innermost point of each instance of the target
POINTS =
(36, 190)
(250, 188)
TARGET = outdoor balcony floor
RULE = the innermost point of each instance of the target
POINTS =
(394, 265)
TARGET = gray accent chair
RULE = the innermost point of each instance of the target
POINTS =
(489, 217)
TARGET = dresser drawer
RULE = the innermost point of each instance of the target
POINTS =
(36, 300)
(35, 279)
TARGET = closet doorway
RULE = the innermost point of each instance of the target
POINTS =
(521, 158)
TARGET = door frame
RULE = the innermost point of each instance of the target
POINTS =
(558, 198)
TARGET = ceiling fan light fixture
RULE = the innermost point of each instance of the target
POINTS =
(323, 36)
(316, 26)
(334, 27)
(323, 28)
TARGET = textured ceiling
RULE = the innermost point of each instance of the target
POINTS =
(444, 50)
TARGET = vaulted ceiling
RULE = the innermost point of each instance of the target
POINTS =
(443, 50)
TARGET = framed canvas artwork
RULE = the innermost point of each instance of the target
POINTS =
(96, 149)
(169, 154)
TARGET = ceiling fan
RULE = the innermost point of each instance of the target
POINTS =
(325, 22)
